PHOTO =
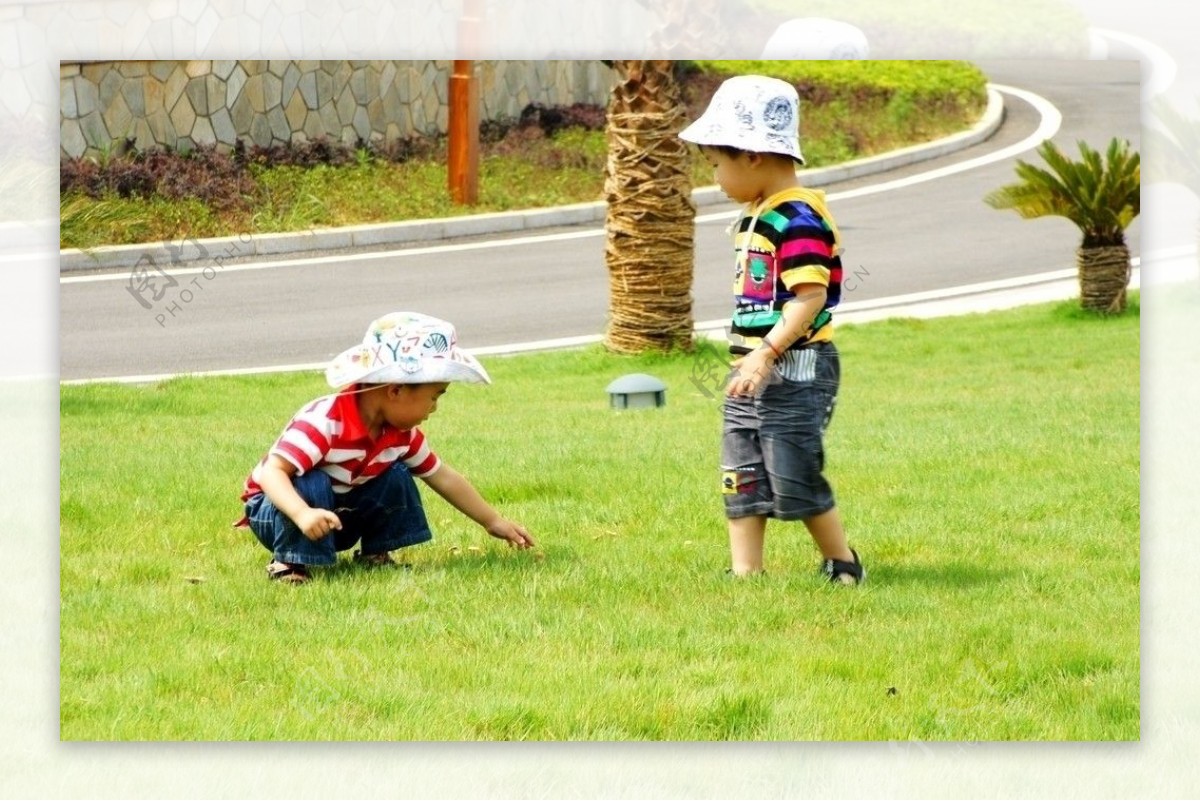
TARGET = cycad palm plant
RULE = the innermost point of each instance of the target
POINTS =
(651, 218)
(1101, 195)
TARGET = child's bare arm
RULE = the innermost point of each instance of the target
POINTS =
(798, 315)
(754, 369)
(462, 495)
(275, 478)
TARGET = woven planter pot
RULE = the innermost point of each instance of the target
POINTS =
(1103, 277)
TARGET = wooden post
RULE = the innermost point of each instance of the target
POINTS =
(463, 166)
(463, 161)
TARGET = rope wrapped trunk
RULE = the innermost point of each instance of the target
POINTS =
(649, 250)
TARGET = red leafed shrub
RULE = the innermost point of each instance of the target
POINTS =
(204, 173)
(223, 180)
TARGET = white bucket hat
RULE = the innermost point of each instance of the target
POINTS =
(751, 112)
(406, 348)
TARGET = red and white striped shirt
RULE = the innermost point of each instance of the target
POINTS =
(329, 435)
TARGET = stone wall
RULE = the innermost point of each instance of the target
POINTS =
(181, 104)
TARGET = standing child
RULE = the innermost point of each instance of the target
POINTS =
(787, 277)
(342, 470)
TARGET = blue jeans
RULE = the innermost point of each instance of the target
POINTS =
(385, 513)
(772, 445)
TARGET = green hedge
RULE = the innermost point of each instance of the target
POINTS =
(819, 81)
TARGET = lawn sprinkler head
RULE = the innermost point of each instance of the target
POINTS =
(637, 391)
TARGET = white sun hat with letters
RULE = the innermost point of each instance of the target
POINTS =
(406, 348)
(751, 112)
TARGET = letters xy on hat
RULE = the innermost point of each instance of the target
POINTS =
(751, 112)
(406, 348)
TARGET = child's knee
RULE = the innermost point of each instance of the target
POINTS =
(746, 490)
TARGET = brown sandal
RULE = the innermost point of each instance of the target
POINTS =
(287, 573)
(383, 559)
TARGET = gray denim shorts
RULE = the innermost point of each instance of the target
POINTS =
(772, 445)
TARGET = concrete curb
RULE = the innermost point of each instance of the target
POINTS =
(197, 250)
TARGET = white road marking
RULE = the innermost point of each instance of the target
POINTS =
(1169, 266)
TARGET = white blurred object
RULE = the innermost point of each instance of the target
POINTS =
(816, 38)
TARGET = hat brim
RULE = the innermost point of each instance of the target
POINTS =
(349, 367)
(701, 132)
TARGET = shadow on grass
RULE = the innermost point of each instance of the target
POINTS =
(952, 575)
(486, 557)
(498, 559)
(349, 570)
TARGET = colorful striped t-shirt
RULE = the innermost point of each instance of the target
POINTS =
(786, 243)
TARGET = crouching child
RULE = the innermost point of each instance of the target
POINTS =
(342, 472)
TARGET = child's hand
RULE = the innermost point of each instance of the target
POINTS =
(514, 533)
(751, 373)
(317, 523)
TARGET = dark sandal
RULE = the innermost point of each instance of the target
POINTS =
(834, 569)
(287, 573)
(380, 560)
(383, 559)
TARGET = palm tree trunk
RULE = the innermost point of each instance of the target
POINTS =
(651, 217)
(1103, 277)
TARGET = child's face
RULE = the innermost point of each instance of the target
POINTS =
(409, 405)
(736, 175)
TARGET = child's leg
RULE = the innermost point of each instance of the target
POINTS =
(281, 536)
(827, 533)
(746, 539)
(796, 412)
(841, 564)
(744, 485)
(385, 513)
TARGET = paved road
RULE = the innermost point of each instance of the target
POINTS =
(926, 236)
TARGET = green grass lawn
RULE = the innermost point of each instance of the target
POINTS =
(987, 470)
